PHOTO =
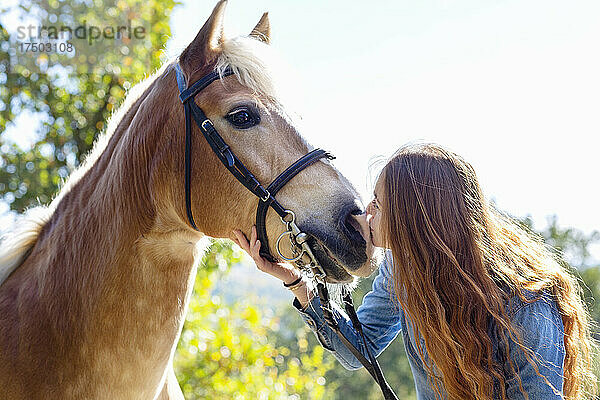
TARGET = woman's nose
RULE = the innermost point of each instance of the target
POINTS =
(369, 209)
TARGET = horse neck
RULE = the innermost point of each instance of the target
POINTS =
(103, 256)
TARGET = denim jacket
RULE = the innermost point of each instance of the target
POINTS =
(383, 319)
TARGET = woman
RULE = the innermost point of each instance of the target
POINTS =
(484, 309)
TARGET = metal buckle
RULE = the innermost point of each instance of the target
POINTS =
(291, 214)
(206, 121)
(300, 247)
(319, 274)
(266, 196)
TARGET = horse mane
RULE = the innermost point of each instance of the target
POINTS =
(20, 239)
(253, 63)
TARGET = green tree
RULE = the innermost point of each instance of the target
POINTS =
(574, 249)
(233, 351)
(572, 245)
(71, 93)
(591, 279)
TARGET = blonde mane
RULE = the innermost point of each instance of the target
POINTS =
(258, 67)
(252, 62)
(18, 240)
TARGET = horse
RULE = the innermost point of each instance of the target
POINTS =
(94, 287)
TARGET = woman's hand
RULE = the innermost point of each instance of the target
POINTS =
(284, 272)
(252, 247)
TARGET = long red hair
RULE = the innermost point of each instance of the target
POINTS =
(456, 263)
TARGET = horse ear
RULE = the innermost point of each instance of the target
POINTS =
(262, 30)
(206, 46)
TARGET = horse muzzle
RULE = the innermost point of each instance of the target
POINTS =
(344, 249)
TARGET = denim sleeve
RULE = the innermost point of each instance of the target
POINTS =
(379, 314)
(542, 332)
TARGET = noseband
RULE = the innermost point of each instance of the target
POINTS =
(302, 253)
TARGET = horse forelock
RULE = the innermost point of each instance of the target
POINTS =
(257, 66)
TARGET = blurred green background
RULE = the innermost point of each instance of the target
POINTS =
(235, 344)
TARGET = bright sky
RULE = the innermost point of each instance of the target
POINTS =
(513, 86)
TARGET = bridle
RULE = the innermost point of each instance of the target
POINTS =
(238, 169)
(302, 253)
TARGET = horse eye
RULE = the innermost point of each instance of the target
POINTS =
(243, 118)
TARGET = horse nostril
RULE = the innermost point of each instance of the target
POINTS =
(352, 228)
(352, 223)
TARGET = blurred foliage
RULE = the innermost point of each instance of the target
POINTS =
(571, 244)
(229, 351)
(70, 94)
(591, 279)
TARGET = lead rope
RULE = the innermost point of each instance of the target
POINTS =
(371, 364)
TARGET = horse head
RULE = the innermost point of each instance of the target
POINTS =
(249, 111)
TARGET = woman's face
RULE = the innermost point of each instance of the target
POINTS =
(374, 215)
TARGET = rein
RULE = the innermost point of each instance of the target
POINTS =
(303, 255)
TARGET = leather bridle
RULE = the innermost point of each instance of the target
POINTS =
(302, 253)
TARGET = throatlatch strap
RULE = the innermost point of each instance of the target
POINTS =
(188, 166)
